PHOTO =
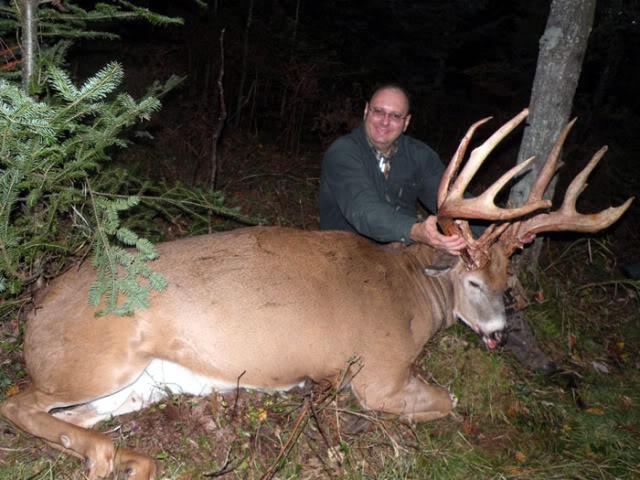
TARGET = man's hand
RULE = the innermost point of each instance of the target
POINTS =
(427, 232)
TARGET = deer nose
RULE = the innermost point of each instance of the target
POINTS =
(500, 337)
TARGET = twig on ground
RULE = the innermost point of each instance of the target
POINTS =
(226, 467)
(235, 402)
(301, 421)
(318, 455)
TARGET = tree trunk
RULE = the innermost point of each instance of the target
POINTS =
(562, 49)
(294, 34)
(29, 39)
(242, 99)
(219, 124)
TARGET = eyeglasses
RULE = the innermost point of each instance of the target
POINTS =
(379, 114)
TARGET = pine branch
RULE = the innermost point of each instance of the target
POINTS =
(97, 87)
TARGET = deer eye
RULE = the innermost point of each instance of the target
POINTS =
(475, 284)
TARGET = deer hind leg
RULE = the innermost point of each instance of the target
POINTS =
(405, 395)
(29, 412)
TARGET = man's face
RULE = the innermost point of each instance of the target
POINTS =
(386, 116)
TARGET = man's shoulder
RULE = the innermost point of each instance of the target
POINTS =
(421, 156)
(351, 143)
(417, 147)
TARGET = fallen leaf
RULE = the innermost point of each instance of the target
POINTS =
(595, 411)
(13, 390)
(468, 427)
(513, 410)
(520, 457)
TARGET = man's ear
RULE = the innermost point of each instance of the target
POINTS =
(406, 123)
(366, 110)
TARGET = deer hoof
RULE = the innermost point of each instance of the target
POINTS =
(135, 466)
(99, 462)
(454, 400)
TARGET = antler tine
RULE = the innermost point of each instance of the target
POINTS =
(551, 165)
(456, 160)
(578, 184)
(567, 218)
(479, 154)
(491, 233)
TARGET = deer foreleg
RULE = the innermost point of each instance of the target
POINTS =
(413, 398)
(29, 412)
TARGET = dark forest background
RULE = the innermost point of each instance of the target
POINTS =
(297, 75)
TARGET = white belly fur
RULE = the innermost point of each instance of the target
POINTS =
(157, 381)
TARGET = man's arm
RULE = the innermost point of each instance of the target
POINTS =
(427, 231)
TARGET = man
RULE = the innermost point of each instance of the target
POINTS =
(372, 178)
(371, 181)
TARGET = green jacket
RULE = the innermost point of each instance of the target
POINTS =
(355, 196)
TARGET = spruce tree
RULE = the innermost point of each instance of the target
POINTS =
(50, 152)
(56, 143)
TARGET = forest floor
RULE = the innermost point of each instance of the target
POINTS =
(583, 422)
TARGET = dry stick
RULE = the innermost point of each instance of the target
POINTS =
(304, 414)
(321, 430)
(222, 116)
(226, 467)
(293, 437)
(331, 396)
(235, 403)
(325, 467)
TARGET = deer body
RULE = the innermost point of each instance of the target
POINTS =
(268, 306)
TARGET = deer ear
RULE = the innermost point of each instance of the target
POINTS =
(441, 265)
(436, 270)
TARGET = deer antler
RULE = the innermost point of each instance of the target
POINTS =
(566, 218)
(452, 205)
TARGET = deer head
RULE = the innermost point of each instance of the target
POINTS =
(479, 290)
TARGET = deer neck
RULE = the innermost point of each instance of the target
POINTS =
(434, 294)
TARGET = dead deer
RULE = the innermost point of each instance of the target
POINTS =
(275, 306)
